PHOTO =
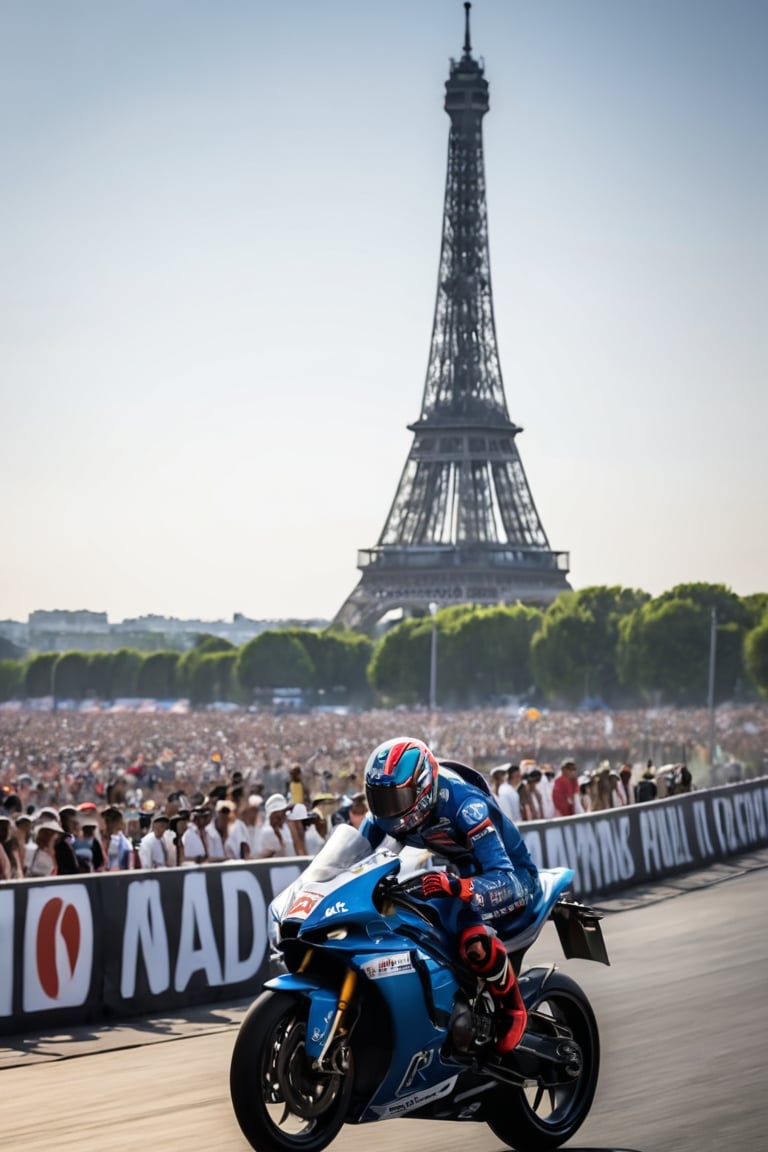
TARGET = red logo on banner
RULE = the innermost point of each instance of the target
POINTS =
(57, 921)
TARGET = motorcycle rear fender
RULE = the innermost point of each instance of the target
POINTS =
(581, 936)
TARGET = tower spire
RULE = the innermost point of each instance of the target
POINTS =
(467, 44)
(463, 527)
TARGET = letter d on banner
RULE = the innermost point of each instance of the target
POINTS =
(58, 947)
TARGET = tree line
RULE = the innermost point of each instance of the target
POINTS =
(605, 645)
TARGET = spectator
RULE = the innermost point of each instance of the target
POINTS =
(90, 854)
(315, 831)
(275, 838)
(8, 867)
(119, 851)
(174, 836)
(645, 789)
(508, 796)
(41, 855)
(296, 791)
(498, 775)
(153, 850)
(625, 777)
(195, 839)
(358, 809)
(253, 821)
(565, 790)
(295, 816)
(532, 777)
(64, 847)
(545, 786)
(218, 832)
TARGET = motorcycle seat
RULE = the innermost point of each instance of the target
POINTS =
(554, 882)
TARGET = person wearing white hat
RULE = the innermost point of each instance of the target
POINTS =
(274, 840)
(252, 818)
(40, 856)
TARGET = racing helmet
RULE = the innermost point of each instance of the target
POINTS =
(401, 784)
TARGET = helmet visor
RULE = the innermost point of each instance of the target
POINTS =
(387, 800)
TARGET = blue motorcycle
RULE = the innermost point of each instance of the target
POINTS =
(372, 1017)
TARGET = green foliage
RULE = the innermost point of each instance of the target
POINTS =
(756, 655)
(399, 668)
(213, 678)
(664, 646)
(207, 643)
(274, 660)
(125, 672)
(37, 674)
(99, 680)
(757, 606)
(70, 676)
(573, 654)
(485, 654)
(157, 675)
(11, 679)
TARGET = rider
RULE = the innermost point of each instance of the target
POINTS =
(492, 879)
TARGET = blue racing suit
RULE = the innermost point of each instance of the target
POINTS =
(468, 829)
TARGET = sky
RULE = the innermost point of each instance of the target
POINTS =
(219, 237)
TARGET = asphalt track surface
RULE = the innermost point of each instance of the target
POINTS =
(683, 1014)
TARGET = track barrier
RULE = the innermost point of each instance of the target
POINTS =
(87, 949)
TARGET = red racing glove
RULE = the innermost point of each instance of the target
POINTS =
(436, 885)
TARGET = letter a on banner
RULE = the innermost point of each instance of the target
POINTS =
(58, 947)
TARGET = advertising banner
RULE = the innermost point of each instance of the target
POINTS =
(79, 950)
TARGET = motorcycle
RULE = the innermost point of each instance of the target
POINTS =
(372, 1017)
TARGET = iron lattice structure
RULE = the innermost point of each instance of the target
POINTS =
(463, 527)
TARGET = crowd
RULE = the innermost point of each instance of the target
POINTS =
(105, 791)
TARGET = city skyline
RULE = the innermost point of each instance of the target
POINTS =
(221, 229)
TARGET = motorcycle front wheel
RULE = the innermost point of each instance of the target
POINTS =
(549, 1109)
(281, 1102)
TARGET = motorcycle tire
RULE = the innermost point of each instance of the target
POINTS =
(282, 1104)
(533, 1119)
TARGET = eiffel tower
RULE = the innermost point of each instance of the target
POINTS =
(463, 527)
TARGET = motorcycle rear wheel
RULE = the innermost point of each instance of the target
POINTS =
(281, 1103)
(535, 1119)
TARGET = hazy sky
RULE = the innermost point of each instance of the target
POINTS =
(219, 236)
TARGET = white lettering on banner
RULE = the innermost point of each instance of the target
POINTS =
(232, 885)
(701, 825)
(597, 849)
(740, 820)
(6, 952)
(58, 947)
(196, 924)
(533, 844)
(145, 926)
(663, 838)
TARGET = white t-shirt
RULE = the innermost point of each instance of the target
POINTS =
(509, 801)
(271, 845)
(153, 852)
(193, 844)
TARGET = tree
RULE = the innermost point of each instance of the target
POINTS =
(574, 652)
(756, 655)
(125, 672)
(157, 675)
(399, 667)
(11, 679)
(100, 665)
(664, 646)
(70, 676)
(274, 660)
(485, 653)
(38, 674)
(213, 678)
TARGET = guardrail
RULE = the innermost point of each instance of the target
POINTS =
(77, 950)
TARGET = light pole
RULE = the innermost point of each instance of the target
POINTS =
(711, 692)
(433, 660)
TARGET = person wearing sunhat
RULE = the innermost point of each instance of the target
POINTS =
(274, 838)
(41, 855)
(90, 854)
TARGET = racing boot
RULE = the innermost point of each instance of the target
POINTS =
(485, 955)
